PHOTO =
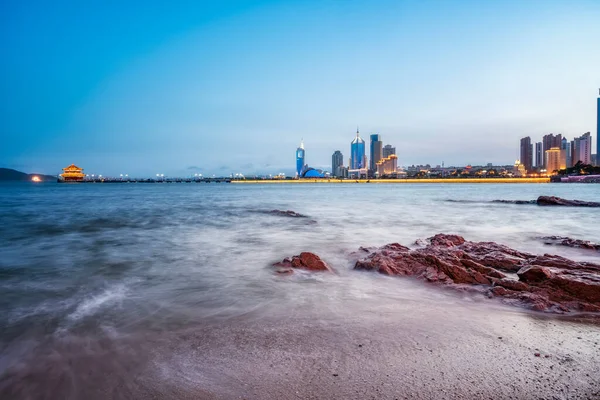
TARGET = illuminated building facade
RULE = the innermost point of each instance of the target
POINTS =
(555, 160)
(72, 173)
(388, 165)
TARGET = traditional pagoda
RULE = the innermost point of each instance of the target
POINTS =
(71, 174)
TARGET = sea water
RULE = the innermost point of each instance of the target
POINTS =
(113, 273)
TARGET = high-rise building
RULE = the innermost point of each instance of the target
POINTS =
(376, 151)
(554, 160)
(582, 149)
(598, 132)
(388, 165)
(539, 155)
(549, 141)
(527, 154)
(337, 162)
(565, 147)
(358, 159)
(388, 150)
(300, 162)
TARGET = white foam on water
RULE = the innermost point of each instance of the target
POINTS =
(92, 304)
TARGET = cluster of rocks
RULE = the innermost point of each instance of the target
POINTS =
(540, 282)
(569, 242)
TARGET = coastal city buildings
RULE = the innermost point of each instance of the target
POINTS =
(598, 131)
(566, 147)
(550, 141)
(300, 159)
(519, 169)
(582, 149)
(554, 159)
(527, 154)
(539, 155)
(552, 154)
(387, 166)
(358, 158)
(337, 164)
(376, 153)
(388, 150)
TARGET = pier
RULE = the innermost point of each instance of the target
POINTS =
(152, 180)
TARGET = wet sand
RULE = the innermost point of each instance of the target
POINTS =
(451, 351)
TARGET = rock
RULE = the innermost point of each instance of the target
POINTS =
(446, 240)
(546, 282)
(557, 201)
(534, 274)
(306, 260)
(512, 285)
(569, 242)
(287, 213)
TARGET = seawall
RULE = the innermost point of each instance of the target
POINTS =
(377, 181)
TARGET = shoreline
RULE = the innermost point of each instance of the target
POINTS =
(377, 181)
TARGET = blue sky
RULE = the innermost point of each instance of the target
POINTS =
(226, 87)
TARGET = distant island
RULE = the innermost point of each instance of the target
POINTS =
(7, 174)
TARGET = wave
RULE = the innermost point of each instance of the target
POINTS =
(90, 305)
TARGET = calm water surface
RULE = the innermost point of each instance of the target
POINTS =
(89, 267)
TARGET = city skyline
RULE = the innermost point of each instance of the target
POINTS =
(229, 88)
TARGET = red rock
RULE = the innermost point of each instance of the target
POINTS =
(534, 274)
(512, 284)
(305, 260)
(546, 283)
(446, 240)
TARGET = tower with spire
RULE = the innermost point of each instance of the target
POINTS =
(358, 159)
(300, 159)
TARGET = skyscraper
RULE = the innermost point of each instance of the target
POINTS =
(358, 160)
(388, 150)
(337, 162)
(582, 149)
(598, 132)
(539, 155)
(527, 154)
(376, 152)
(300, 159)
(551, 141)
(553, 160)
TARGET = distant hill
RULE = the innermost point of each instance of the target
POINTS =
(7, 174)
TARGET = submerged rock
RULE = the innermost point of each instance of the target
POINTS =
(286, 213)
(557, 201)
(306, 260)
(569, 242)
(545, 283)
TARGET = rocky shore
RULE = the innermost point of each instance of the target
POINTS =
(546, 282)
